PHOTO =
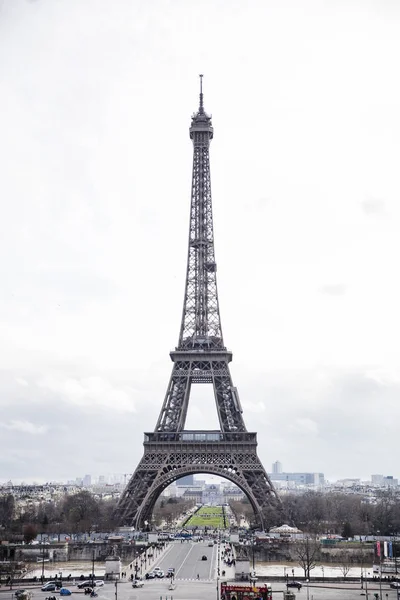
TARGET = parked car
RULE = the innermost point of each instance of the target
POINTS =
(295, 584)
(211, 545)
(395, 584)
(138, 583)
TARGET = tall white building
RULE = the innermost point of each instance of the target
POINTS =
(277, 467)
(87, 480)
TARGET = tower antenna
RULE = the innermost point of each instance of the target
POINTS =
(201, 107)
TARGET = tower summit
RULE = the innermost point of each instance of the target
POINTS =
(171, 452)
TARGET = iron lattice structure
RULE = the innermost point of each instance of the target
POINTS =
(170, 452)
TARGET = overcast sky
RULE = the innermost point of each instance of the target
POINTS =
(95, 104)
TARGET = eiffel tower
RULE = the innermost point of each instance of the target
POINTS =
(171, 452)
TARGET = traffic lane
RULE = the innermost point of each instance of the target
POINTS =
(194, 567)
(185, 558)
(174, 557)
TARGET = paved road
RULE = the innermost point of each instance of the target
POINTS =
(186, 558)
(200, 590)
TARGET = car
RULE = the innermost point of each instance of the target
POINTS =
(138, 583)
(295, 584)
(204, 557)
(211, 545)
(150, 575)
(160, 574)
(51, 586)
(395, 584)
(23, 594)
(86, 583)
(65, 591)
(171, 570)
(98, 582)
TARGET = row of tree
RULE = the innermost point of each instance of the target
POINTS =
(76, 514)
(343, 514)
(311, 512)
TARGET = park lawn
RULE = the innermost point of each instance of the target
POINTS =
(207, 516)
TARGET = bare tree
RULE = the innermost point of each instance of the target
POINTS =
(307, 552)
(345, 562)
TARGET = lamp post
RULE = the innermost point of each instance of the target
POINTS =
(93, 567)
(42, 562)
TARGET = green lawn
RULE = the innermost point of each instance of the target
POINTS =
(207, 516)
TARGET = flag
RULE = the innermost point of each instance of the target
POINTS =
(378, 548)
(390, 546)
(385, 549)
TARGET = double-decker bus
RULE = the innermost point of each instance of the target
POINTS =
(234, 591)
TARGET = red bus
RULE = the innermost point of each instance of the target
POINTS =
(245, 592)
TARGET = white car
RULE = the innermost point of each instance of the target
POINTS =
(138, 583)
(99, 582)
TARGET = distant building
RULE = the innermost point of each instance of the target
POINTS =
(299, 478)
(188, 480)
(384, 481)
(212, 494)
(348, 482)
(390, 481)
(277, 467)
(87, 481)
(377, 479)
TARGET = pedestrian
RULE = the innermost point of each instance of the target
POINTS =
(198, 576)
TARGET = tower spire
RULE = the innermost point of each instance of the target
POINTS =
(201, 106)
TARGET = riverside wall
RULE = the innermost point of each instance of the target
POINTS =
(285, 551)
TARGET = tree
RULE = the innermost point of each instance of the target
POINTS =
(81, 511)
(30, 532)
(345, 562)
(307, 552)
(347, 530)
(7, 505)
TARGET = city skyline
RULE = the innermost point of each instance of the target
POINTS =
(96, 192)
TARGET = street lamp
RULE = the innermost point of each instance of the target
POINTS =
(93, 567)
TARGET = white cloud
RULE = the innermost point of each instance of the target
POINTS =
(24, 427)
(92, 393)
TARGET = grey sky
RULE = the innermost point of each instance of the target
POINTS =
(95, 105)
